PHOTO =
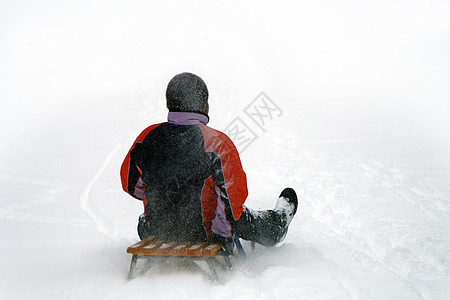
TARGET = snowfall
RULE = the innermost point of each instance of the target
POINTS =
(359, 127)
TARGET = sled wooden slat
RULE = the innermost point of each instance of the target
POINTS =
(153, 247)
(211, 249)
(164, 248)
(140, 244)
(180, 249)
(153, 250)
(195, 249)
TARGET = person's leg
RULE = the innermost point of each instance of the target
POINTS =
(268, 227)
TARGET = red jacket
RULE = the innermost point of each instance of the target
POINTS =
(171, 150)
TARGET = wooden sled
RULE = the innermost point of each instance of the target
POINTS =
(154, 250)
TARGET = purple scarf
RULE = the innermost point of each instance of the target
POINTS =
(187, 118)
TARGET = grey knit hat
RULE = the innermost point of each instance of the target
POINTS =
(186, 92)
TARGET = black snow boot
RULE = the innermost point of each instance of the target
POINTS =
(286, 205)
(268, 227)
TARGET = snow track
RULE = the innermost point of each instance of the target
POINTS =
(103, 223)
(354, 251)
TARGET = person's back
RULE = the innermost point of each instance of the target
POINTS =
(174, 164)
(191, 180)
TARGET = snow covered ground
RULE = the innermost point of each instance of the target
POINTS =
(363, 137)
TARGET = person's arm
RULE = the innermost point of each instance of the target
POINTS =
(130, 174)
(234, 176)
(228, 175)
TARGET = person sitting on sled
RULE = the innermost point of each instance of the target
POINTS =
(190, 178)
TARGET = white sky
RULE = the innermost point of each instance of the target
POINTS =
(388, 59)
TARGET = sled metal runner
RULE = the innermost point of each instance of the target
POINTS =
(153, 251)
